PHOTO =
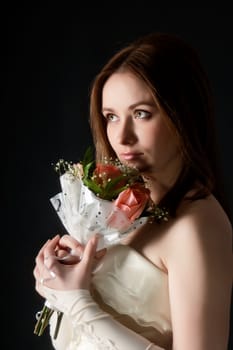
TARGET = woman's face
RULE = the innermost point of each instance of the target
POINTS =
(136, 127)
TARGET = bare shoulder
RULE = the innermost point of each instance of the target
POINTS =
(207, 212)
(205, 217)
(202, 227)
(199, 261)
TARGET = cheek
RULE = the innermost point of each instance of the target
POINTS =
(168, 141)
(160, 137)
(153, 135)
(110, 135)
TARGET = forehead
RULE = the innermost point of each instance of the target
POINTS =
(125, 86)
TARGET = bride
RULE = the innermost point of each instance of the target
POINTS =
(166, 285)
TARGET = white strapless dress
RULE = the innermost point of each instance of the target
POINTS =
(135, 292)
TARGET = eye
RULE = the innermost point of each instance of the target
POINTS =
(111, 117)
(140, 114)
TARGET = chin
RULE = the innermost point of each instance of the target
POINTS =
(138, 165)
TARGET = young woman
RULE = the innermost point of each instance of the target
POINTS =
(167, 285)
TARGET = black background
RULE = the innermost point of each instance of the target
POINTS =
(51, 54)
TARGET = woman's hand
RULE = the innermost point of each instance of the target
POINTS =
(70, 250)
(65, 264)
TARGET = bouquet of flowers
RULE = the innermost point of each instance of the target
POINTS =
(107, 198)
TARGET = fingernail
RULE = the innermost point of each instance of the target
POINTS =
(52, 274)
(55, 237)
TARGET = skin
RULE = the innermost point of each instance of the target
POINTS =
(138, 132)
(194, 249)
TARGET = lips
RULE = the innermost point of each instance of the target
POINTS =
(130, 155)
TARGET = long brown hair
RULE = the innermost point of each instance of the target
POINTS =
(173, 72)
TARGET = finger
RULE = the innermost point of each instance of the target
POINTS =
(42, 277)
(69, 243)
(68, 258)
(51, 246)
(41, 255)
(36, 273)
(46, 260)
(90, 251)
(41, 251)
(100, 253)
(62, 253)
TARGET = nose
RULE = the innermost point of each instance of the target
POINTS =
(126, 132)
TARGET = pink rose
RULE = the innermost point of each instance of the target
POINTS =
(129, 205)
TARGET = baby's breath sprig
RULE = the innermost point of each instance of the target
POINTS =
(62, 166)
(160, 213)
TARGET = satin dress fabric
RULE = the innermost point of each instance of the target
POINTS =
(134, 292)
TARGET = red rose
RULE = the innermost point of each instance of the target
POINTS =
(103, 173)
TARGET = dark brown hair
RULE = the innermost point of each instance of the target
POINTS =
(178, 82)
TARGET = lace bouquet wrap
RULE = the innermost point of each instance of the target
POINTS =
(83, 213)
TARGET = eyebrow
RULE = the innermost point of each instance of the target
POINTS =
(143, 102)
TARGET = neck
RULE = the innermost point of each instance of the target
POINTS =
(160, 183)
(157, 189)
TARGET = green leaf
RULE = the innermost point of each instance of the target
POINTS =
(88, 156)
(93, 186)
(88, 168)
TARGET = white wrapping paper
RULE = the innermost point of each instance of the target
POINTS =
(83, 214)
